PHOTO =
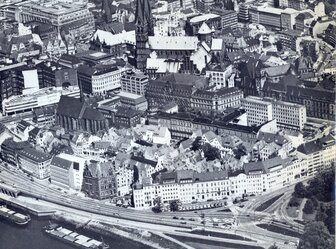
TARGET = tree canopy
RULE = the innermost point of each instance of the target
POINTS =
(316, 236)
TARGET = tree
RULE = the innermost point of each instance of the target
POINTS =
(210, 153)
(309, 207)
(157, 205)
(196, 145)
(316, 236)
(174, 206)
(278, 45)
(299, 190)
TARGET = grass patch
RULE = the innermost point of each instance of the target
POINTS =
(281, 230)
(220, 235)
(309, 217)
(206, 243)
(291, 211)
(268, 203)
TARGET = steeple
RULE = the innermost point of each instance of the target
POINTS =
(144, 28)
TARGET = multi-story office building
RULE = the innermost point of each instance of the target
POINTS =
(67, 171)
(40, 98)
(34, 162)
(134, 101)
(204, 5)
(11, 80)
(288, 18)
(266, 16)
(229, 18)
(74, 17)
(257, 110)
(98, 80)
(288, 115)
(288, 38)
(243, 13)
(297, 4)
(52, 74)
(134, 82)
(216, 101)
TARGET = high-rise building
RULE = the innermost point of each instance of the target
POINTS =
(144, 28)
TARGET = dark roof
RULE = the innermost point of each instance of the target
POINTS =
(34, 132)
(22, 125)
(61, 163)
(92, 114)
(190, 175)
(316, 145)
(70, 58)
(34, 155)
(127, 112)
(144, 160)
(70, 106)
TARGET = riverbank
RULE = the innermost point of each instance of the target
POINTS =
(143, 238)
(146, 238)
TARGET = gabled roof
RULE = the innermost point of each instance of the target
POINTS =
(204, 29)
(277, 70)
(173, 42)
(144, 161)
(70, 107)
(22, 125)
(34, 132)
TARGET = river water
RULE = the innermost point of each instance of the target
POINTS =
(32, 236)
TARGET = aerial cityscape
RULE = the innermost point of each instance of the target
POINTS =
(167, 124)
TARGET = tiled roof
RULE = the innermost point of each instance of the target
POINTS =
(173, 42)
(34, 155)
(61, 163)
(70, 107)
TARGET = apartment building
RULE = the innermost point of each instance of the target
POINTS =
(34, 162)
(185, 185)
(134, 82)
(188, 186)
(319, 154)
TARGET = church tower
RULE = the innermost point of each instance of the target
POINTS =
(144, 28)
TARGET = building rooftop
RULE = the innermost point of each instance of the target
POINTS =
(44, 92)
(203, 18)
(112, 40)
(61, 163)
(173, 42)
(34, 155)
